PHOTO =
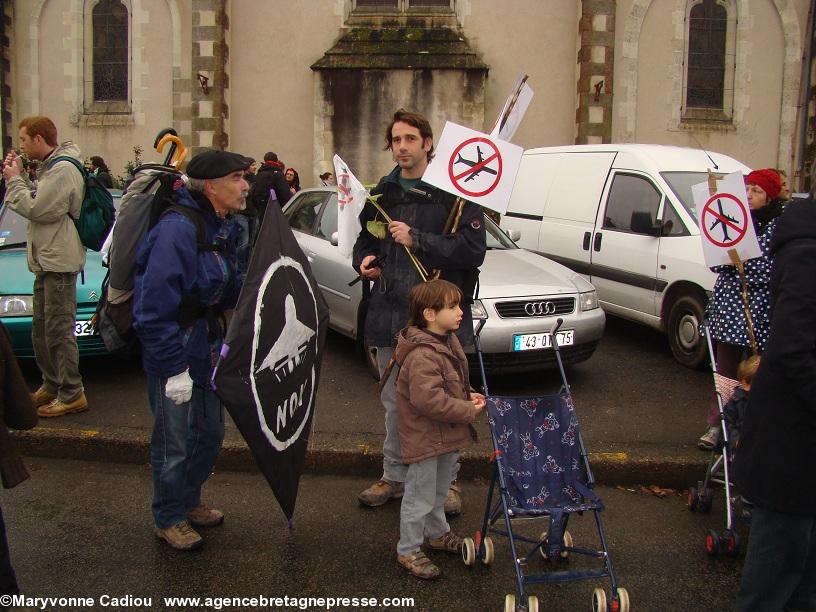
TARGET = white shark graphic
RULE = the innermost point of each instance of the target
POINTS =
(287, 352)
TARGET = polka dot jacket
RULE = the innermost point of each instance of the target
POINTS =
(726, 313)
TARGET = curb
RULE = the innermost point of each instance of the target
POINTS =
(676, 471)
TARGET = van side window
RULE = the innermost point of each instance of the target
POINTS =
(632, 202)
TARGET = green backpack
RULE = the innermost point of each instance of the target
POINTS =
(96, 214)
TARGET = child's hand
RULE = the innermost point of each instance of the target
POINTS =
(479, 401)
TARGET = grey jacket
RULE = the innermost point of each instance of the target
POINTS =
(53, 241)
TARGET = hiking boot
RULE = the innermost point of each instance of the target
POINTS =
(204, 516)
(450, 542)
(419, 565)
(709, 439)
(58, 408)
(380, 492)
(453, 503)
(180, 536)
(41, 397)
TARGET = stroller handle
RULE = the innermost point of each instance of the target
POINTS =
(558, 323)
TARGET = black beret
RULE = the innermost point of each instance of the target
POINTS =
(215, 164)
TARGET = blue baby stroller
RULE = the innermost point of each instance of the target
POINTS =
(541, 471)
(701, 497)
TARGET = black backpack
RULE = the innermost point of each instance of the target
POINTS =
(148, 198)
(96, 214)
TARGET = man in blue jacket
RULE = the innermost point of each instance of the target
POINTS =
(183, 287)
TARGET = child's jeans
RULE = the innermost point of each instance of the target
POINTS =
(422, 514)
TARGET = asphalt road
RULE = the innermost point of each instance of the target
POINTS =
(83, 529)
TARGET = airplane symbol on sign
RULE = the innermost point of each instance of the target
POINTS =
(480, 167)
(721, 220)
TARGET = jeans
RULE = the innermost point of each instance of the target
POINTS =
(185, 442)
(52, 334)
(780, 565)
(422, 513)
(394, 470)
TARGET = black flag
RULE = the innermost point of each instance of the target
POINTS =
(270, 363)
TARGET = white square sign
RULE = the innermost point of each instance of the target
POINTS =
(474, 166)
(725, 220)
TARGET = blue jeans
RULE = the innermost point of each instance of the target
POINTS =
(185, 442)
(780, 565)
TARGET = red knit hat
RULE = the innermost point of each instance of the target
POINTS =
(768, 179)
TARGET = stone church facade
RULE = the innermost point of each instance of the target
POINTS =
(310, 78)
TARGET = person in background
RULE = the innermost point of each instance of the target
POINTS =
(327, 179)
(101, 171)
(725, 317)
(773, 468)
(293, 178)
(784, 192)
(269, 185)
(181, 294)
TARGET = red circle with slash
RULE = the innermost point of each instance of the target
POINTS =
(741, 229)
(475, 167)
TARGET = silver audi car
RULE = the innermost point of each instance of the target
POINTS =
(520, 295)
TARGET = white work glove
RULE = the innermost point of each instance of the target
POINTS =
(179, 388)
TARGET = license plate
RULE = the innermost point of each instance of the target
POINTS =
(528, 342)
(83, 328)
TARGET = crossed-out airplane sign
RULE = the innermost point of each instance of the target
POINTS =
(725, 222)
(475, 166)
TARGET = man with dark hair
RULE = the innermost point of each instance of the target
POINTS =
(268, 182)
(777, 450)
(181, 292)
(444, 234)
(55, 256)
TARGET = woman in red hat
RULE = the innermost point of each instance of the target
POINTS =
(725, 315)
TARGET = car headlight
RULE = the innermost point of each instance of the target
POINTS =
(477, 310)
(16, 305)
(588, 300)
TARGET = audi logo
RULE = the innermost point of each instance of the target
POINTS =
(537, 309)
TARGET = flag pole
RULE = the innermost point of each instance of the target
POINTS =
(423, 273)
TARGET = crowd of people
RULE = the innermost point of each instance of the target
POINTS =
(424, 273)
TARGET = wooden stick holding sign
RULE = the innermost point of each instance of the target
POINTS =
(423, 273)
(738, 264)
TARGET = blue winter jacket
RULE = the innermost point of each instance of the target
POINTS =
(170, 266)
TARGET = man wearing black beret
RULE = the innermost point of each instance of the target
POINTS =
(186, 279)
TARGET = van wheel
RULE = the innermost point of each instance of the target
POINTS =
(687, 346)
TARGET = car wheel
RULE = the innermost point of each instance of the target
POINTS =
(687, 346)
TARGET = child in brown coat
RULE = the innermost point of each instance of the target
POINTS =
(435, 407)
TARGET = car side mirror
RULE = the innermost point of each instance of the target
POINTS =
(667, 227)
(642, 223)
(333, 239)
(514, 235)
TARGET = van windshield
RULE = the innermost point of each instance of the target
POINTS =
(680, 183)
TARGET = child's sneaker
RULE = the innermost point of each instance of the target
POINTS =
(419, 565)
(450, 542)
(709, 439)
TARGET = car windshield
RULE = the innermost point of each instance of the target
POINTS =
(680, 183)
(13, 226)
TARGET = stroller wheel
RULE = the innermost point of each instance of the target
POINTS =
(468, 552)
(532, 603)
(692, 499)
(599, 600)
(712, 543)
(567, 544)
(732, 543)
(488, 551)
(704, 501)
(509, 603)
(623, 600)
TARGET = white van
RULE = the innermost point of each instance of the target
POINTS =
(623, 216)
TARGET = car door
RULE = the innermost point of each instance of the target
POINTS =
(625, 244)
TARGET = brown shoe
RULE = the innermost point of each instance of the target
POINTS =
(204, 516)
(450, 542)
(380, 492)
(180, 536)
(419, 565)
(58, 408)
(453, 503)
(41, 397)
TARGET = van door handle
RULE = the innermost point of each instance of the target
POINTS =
(597, 244)
(587, 236)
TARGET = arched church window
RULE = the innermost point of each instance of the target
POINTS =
(110, 51)
(710, 57)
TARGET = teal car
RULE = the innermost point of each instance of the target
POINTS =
(17, 282)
